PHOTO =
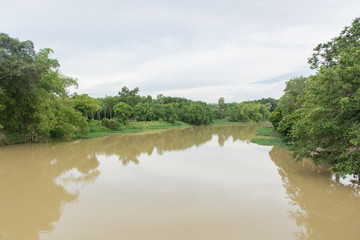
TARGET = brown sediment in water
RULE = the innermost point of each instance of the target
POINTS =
(206, 182)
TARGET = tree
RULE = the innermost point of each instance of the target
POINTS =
(130, 97)
(123, 111)
(140, 112)
(325, 125)
(221, 108)
(108, 105)
(293, 93)
(329, 54)
(32, 92)
(275, 117)
(170, 112)
(86, 105)
(328, 127)
(193, 114)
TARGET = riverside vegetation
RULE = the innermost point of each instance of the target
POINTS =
(317, 117)
(36, 107)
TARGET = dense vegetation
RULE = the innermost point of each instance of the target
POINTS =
(35, 105)
(319, 116)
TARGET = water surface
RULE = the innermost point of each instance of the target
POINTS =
(205, 182)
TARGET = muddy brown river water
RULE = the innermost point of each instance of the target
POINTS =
(201, 183)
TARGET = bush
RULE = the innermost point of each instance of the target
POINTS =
(111, 124)
(96, 126)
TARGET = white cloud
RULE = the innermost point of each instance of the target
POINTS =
(201, 48)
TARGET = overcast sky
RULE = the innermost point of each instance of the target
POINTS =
(198, 49)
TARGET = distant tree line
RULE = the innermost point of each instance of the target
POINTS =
(319, 116)
(129, 105)
(35, 105)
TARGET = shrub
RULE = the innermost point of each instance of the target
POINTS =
(111, 124)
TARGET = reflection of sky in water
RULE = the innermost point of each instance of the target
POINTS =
(206, 184)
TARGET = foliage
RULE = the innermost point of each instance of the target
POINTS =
(170, 112)
(292, 98)
(110, 124)
(275, 117)
(320, 114)
(68, 122)
(329, 54)
(247, 111)
(221, 108)
(194, 114)
(123, 111)
(98, 126)
(270, 103)
(286, 124)
(85, 104)
(130, 97)
(33, 93)
(328, 128)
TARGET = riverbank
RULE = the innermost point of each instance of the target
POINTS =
(133, 127)
(96, 129)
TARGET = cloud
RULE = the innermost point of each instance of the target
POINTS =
(190, 47)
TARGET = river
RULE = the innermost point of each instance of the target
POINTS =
(206, 182)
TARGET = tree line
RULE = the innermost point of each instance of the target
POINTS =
(319, 116)
(35, 104)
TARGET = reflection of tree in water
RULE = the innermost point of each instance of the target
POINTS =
(128, 147)
(31, 200)
(328, 209)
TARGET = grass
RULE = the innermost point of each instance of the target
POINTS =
(267, 131)
(272, 137)
(98, 134)
(223, 122)
(97, 130)
(275, 141)
(153, 125)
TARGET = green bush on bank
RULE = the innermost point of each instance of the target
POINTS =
(111, 124)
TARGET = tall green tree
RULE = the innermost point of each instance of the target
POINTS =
(328, 129)
(30, 86)
(221, 108)
(329, 54)
(86, 105)
(130, 97)
(325, 123)
(123, 111)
